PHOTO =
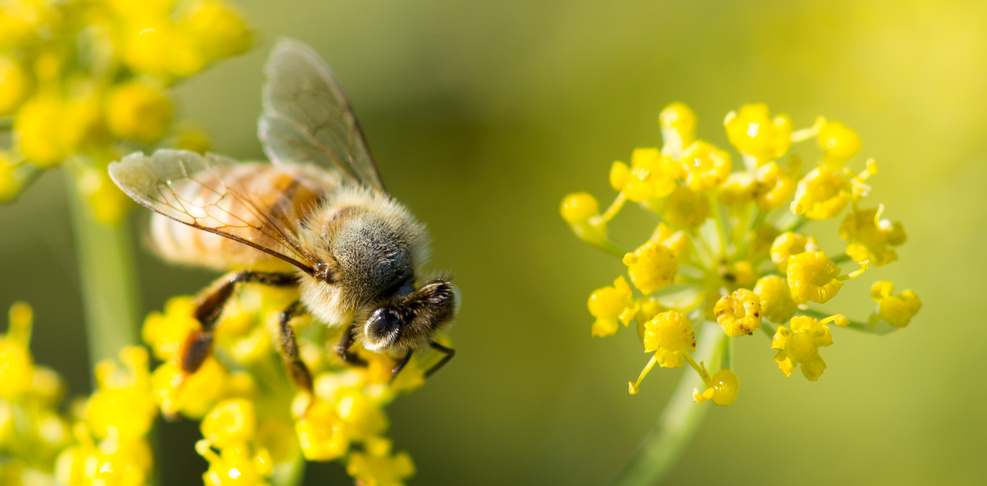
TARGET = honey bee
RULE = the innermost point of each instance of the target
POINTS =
(318, 217)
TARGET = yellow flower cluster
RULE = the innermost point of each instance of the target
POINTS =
(730, 250)
(255, 422)
(104, 438)
(85, 81)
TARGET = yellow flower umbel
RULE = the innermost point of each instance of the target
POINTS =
(87, 81)
(255, 421)
(733, 250)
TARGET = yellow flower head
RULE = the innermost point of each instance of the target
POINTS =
(775, 186)
(706, 166)
(737, 244)
(789, 244)
(722, 388)
(651, 175)
(123, 405)
(582, 212)
(739, 314)
(670, 334)
(651, 267)
(686, 208)
(15, 82)
(321, 433)
(167, 332)
(813, 277)
(216, 29)
(376, 466)
(822, 194)
(235, 465)
(896, 310)
(838, 143)
(755, 134)
(739, 188)
(138, 111)
(871, 237)
(776, 298)
(230, 422)
(16, 363)
(800, 346)
(678, 128)
(610, 305)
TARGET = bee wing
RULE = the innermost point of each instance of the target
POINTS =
(200, 192)
(307, 119)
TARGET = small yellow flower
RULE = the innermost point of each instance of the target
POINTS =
(159, 49)
(822, 194)
(36, 131)
(838, 143)
(321, 433)
(800, 346)
(678, 128)
(235, 465)
(16, 363)
(122, 405)
(230, 422)
(108, 204)
(755, 134)
(722, 388)
(775, 186)
(581, 210)
(686, 208)
(897, 310)
(138, 111)
(706, 166)
(670, 334)
(216, 28)
(789, 244)
(739, 188)
(739, 314)
(651, 267)
(776, 298)
(376, 466)
(167, 332)
(15, 82)
(677, 241)
(362, 416)
(813, 277)
(871, 237)
(650, 175)
(610, 305)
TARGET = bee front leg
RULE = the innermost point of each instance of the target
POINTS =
(198, 346)
(449, 353)
(345, 341)
(289, 348)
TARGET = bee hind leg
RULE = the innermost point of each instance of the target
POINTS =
(300, 374)
(404, 361)
(198, 346)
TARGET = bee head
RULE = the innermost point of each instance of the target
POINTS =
(409, 321)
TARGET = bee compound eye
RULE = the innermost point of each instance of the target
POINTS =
(383, 325)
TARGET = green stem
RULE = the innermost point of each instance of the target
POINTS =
(108, 281)
(290, 474)
(658, 452)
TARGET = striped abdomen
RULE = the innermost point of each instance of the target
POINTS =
(247, 201)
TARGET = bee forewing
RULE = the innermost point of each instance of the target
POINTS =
(218, 195)
(307, 119)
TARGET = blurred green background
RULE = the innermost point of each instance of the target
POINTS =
(482, 115)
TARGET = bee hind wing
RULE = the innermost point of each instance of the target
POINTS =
(307, 119)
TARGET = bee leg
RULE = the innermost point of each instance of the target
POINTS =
(289, 348)
(449, 353)
(210, 308)
(404, 361)
(345, 341)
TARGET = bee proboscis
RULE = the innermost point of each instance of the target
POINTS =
(318, 217)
